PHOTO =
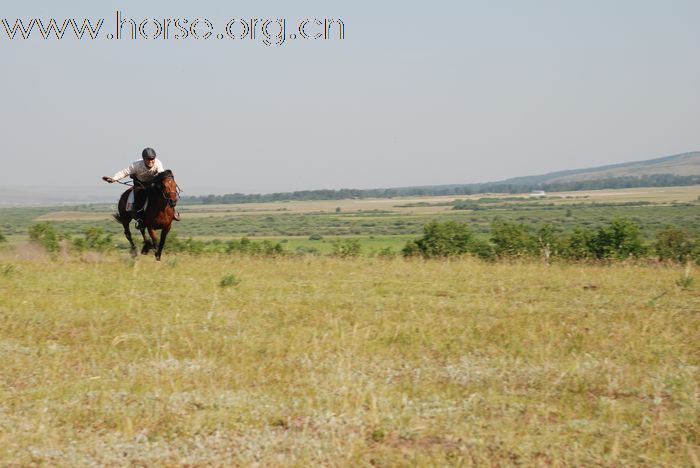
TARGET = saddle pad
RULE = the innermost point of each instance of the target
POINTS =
(130, 202)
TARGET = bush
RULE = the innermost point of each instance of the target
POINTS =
(45, 235)
(444, 239)
(2, 238)
(247, 246)
(674, 244)
(482, 249)
(386, 252)
(549, 243)
(466, 205)
(511, 239)
(411, 249)
(619, 240)
(306, 250)
(189, 245)
(94, 239)
(229, 279)
(346, 248)
(577, 245)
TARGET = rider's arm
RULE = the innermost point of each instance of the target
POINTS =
(124, 172)
(159, 166)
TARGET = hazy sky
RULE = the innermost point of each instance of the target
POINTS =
(417, 93)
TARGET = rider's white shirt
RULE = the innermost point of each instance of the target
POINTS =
(139, 169)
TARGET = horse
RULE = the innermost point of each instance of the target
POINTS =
(162, 197)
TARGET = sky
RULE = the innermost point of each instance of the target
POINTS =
(417, 93)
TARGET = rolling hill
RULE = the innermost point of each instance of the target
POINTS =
(677, 170)
(686, 164)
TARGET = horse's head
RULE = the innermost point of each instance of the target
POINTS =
(168, 187)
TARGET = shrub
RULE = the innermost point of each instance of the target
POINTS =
(482, 249)
(441, 240)
(94, 238)
(247, 246)
(346, 248)
(674, 244)
(304, 250)
(577, 245)
(620, 239)
(45, 235)
(511, 239)
(548, 241)
(386, 252)
(229, 279)
(411, 249)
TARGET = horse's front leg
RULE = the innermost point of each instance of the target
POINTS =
(147, 245)
(163, 234)
(154, 240)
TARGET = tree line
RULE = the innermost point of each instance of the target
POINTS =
(655, 180)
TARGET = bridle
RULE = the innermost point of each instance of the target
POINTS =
(166, 194)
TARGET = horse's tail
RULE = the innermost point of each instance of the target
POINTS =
(121, 215)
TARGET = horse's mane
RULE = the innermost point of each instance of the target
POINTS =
(164, 174)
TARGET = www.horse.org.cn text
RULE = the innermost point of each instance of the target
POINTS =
(267, 31)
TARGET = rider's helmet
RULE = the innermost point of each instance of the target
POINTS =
(148, 153)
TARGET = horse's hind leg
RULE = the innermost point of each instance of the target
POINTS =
(127, 233)
(154, 241)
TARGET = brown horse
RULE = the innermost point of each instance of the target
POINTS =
(159, 214)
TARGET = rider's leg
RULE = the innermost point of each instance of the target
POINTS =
(139, 200)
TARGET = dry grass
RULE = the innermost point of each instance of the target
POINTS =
(346, 362)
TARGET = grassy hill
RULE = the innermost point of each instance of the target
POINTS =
(678, 170)
(686, 164)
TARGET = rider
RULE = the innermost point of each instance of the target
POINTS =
(143, 172)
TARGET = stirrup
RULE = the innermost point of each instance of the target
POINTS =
(140, 224)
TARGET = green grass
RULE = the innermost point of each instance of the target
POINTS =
(651, 218)
(315, 360)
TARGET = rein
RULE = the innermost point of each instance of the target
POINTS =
(163, 193)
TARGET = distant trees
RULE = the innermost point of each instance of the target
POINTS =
(655, 180)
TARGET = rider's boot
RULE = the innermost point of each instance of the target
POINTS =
(140, 223)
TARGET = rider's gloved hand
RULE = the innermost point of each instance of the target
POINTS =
(108, 179)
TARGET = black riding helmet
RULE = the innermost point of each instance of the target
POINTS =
(148, 153)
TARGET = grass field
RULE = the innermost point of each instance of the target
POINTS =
(315, 360)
